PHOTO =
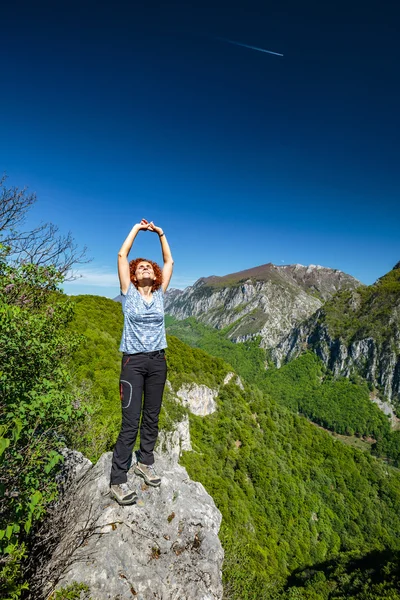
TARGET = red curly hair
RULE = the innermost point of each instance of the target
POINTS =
(156, 268)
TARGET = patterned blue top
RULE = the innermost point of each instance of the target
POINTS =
(144, 327)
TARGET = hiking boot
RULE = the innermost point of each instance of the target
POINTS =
(132, 463)
(148, 473)
(123, 494)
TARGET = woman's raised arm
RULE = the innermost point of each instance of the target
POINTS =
(123, 263)
(167, 256)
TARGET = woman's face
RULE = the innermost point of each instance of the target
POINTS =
(144, 271)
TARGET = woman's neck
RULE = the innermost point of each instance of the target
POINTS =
(145, 291)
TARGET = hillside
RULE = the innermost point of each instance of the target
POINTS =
(358, 332)
(305, 386)
(291, 496)
(247, 358)
(266, 301)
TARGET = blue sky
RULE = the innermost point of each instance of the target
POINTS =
(111, 113)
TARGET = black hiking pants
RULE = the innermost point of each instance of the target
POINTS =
(142, 375)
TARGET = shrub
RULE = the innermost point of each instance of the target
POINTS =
(39, 405)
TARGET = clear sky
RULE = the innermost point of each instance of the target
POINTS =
(115, 111)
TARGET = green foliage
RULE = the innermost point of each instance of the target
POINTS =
(40, 407)
(96, 366)
(97, 363)
(305, 386)
(365, 312)
(74, 591)
(389, 447)
(374, 576)
(187, 364)
(12, 583)
(247, 359)
(171, 412)
(290, 494)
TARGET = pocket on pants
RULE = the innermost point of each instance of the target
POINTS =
(162, 359)
(125, 392)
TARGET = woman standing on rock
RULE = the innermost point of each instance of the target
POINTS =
(144, 369)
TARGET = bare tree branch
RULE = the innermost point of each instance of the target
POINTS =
(44, 245)
(14, 204)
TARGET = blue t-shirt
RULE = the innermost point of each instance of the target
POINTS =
(144, 327)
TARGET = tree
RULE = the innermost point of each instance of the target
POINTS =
(44, 245)
(40, 406)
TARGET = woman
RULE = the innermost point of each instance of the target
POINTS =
(144, 369)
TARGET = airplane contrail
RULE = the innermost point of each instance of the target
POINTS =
(247, 46)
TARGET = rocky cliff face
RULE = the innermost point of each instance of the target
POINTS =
(268, 300)
(357, 332)
(165, 546)
(199, 399)
(377, 362)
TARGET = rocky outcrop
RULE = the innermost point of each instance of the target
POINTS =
(176, 441)
(199, 399)
(229, 376)
(165, 546)
(268, 300)
(386, 407)
(377, 362)
(74, 467)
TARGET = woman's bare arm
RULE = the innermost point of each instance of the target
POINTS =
(123, 263)
(167, 256)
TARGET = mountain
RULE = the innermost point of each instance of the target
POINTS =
(267, 300)
(357, 331)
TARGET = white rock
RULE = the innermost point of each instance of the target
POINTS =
(166, 546)
(199, 399)
(176, 441)
(228, 377)
(238, 381)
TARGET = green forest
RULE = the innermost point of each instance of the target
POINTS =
(364, 312)
(305, 386)
(304, 515)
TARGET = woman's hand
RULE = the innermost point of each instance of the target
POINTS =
(154, 228)
(143, 225)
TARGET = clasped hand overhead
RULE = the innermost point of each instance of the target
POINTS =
(145, 225)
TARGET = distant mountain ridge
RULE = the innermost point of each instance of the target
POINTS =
(266, 300)
(312, 278)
